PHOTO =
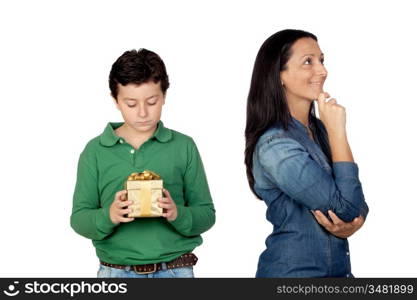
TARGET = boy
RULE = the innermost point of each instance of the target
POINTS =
(141, 247)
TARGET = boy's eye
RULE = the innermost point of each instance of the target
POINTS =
(152, 101)
(322, 61)
(130, 105)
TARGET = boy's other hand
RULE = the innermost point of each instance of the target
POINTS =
(170, 209)
(120, 207)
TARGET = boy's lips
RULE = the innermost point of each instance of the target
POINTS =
(145, 123)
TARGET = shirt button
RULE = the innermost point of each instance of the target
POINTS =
(132, 151)
(347, 253)
(347, 275)
(121, 141)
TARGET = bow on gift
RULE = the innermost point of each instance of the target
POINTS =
(145, 175)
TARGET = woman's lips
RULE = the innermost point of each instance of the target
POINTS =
(317, 84)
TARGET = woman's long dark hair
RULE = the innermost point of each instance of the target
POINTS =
(267, 104)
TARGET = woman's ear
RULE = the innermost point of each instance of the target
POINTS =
(282, 78)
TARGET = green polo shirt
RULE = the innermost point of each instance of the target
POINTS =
(104, 166)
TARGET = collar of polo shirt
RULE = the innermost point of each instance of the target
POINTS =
(109, 138)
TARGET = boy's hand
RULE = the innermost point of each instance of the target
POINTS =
(170, 209)
(120, 207)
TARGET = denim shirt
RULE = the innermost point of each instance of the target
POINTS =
(293, 176)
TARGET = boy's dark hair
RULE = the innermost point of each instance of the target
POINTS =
(138, 66)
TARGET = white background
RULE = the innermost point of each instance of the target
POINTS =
(55, 57)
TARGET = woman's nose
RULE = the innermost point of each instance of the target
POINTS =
(321, 71)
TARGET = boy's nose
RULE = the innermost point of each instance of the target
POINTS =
(142, 112)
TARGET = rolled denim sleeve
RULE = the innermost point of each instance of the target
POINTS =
(288, 165)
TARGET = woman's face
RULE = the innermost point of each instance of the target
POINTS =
(305, 73)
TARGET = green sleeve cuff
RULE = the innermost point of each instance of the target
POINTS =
(183, 222)
(104, 224)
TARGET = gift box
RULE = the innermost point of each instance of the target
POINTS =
(144, 189)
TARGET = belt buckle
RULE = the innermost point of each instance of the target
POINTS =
(146, 272)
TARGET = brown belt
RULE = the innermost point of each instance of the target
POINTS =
(188, 259)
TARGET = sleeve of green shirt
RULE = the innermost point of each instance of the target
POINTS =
(198, 213)
(88, 218)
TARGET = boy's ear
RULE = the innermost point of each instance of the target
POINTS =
(115, 101)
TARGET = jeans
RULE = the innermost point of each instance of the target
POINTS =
(128, 272)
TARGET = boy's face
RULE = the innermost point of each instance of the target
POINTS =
(141, 105)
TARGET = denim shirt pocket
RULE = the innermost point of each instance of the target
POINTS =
(312, 148)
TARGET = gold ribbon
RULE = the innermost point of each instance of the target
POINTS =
(145, 193)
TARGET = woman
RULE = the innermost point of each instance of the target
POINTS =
(301, 166)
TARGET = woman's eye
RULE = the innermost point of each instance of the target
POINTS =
(130, 105)
(307, 61)
(151, 103)
(322, 61)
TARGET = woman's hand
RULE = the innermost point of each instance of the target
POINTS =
(337, 227)
(332, 115)
(170, 209)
